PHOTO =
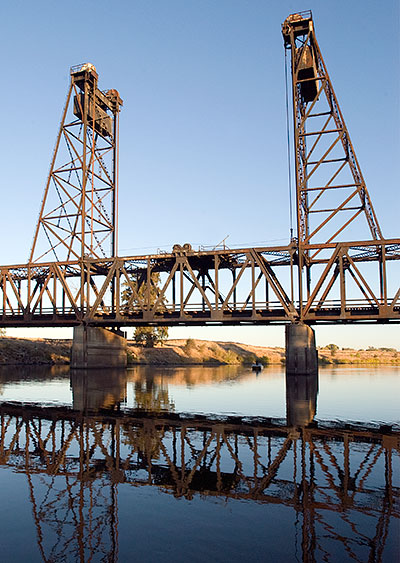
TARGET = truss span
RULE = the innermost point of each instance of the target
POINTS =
(356, 282)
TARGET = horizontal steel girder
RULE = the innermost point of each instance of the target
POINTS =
(351, 282)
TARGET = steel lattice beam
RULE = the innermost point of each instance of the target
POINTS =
(249, 285)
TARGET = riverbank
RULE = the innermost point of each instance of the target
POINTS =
(34, 351)
(186, 352)
(27, 351)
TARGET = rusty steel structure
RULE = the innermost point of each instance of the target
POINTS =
(79, 210)
(331, 195)
(329, 181)
(337, 269)
(253, 285)
(75, 462)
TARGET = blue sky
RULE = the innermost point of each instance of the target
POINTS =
(203, 131)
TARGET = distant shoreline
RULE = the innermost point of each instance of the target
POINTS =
(185, 352)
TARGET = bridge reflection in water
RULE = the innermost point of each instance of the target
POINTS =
(337, 479)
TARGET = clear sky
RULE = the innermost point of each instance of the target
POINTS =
(203, 131)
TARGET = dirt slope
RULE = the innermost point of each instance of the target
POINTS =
(40, 351)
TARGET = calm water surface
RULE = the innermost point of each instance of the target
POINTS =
(199, 464)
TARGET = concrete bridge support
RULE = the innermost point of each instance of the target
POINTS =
(301, 352)
(94, 347)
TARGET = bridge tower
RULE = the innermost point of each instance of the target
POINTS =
(331, 194)
(79, 209)
(78, 219)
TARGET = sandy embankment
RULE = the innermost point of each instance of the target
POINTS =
(26, 351)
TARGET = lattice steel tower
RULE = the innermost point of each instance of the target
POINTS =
(331, 195)
(78, 214)
(330, 189)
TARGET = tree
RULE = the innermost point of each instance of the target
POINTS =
(148, 336)
(333, 348)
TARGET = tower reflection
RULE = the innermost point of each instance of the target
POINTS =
(82, 464)
(94, 390)
(301, 399)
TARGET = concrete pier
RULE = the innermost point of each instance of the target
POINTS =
(94, 347)
(301, 352)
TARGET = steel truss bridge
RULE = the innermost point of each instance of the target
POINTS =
(250, 285)
(325, 274)
(76, 461)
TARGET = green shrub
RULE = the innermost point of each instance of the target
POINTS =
(249, 359)
(322, 360)
(131, 358)
(264, 360)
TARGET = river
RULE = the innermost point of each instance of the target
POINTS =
(199, 463)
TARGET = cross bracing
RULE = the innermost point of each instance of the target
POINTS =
(338, 267)
(356, 282)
